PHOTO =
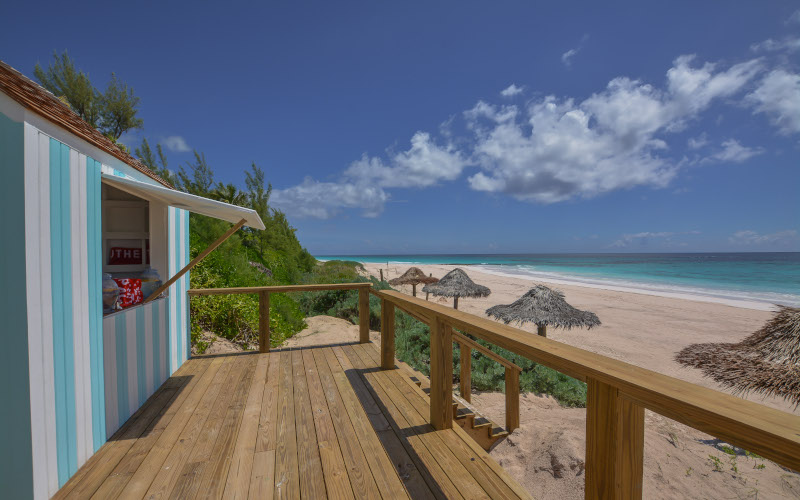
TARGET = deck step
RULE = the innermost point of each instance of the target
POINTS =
(485, 432)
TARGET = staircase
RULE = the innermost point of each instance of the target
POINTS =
(485, 432)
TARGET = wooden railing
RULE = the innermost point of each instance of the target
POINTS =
(263, 304)
(618, 394)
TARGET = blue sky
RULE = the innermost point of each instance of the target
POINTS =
(468, 127)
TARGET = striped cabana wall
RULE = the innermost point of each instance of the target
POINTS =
(140, 353)
(66, 373)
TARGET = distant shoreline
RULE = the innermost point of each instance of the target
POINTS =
(518, 269)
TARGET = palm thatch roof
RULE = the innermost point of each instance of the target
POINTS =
(414, 276)
(456, 283)
(766, 362)
(544, 307)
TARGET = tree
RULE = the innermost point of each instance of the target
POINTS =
(199, 179)
(67, 83)
(118, 109)
(229, 193)
(157, 164)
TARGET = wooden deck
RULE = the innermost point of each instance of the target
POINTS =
(313, 422)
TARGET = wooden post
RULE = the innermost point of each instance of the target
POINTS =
(363, 315)
(455, 302)
(614, 444)
(387, 335)
(512, 399)
(441, 375)
(381, 270)
(465, 377)
(542, 330)
(263, 322)
(414, 289)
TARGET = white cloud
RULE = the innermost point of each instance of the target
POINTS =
(778, 96)
(697, 142)
(750, 237)
(422, 165)
(567, 56)
(732, 151)
(794, 18)
(788, 44)
(177, 144)
(643, 238)
(557, 149)
(323, 200)
(511, 91)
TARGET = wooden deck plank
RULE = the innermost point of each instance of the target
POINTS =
(93, 473)
(167, 476)
(118, 481)
(187, 482)
(267, 424)
(434, 462)
(416, 410)
(262, 480)
(287, 479)
(238, 482)
(358, 469)
(337, 483)
(487, 460)
(312, 480)
(183, 411)
(383, 470)
(214, 475)
(317, 422)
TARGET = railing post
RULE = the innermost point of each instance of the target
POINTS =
(387, 335)
(512, 399)
(263, 321)
(614, 444)
(465, 377)
(441, 375)
(363, 315)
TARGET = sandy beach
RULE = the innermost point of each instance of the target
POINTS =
(642, 329)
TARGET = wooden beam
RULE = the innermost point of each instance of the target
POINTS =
(441, 375)
(202, 255)
(465, 373)
(263, 322)
(614, 444)
(387, 335)
(512, 399)
(277, 289)
(363, 315)
(461, 339)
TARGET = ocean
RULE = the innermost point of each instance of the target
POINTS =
(772, 278)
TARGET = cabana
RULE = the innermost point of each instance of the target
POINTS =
(75, 206)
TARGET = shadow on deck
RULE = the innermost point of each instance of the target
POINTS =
(311, 422)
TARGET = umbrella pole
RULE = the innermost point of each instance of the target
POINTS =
(542, 330)
(455, 302)
(414, 289)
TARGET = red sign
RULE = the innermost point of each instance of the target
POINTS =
(124, 256)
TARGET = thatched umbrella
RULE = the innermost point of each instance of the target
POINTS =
(766, 362)
(414, 276)
(456, 284)
(544, 306)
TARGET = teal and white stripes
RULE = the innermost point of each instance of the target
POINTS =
(86, 374)
(136, 361)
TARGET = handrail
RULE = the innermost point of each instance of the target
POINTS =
(278, 289)
(263, 303)
(618, 394)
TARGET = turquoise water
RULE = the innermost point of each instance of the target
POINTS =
(759, 277)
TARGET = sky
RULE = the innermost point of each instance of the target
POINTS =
(470, 126)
